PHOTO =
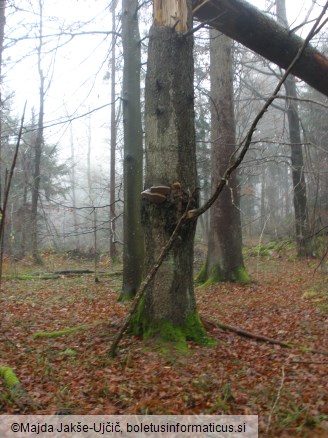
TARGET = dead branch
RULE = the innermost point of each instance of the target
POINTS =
(250, 335)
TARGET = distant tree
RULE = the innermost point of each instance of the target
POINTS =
(303, 239)
(39, 141)
(133, 248)
(112, 216)
(315, 128)
(18, 239)
(224, 258)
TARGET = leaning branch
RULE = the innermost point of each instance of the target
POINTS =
(245, 144)
(250, 27)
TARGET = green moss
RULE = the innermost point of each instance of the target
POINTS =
(9, 377)
(165, 331)
(59, 332)
(239, 274)
(202, 275)
(136, 325)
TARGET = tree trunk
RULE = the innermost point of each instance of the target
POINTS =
(303, 242)
(38, 148)
(224, 258)
(2, 35)
(112, 194)
(169, 309)
(73, 186)
(133, 248)
(247, 25)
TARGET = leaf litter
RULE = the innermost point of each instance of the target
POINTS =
(287, 388)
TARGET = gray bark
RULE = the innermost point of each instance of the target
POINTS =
(224, 259)
(38, 147)
(170, 162)
(112, 244)
(302, 228)
(133, 154)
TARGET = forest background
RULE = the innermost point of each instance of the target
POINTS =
(70, 212)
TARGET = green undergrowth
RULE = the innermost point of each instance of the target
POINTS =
(281, 247)
(319, 295)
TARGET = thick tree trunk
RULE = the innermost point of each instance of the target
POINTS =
(246, 24)
(302, 228)
(169, 309)
(224, 258)
(133, 248)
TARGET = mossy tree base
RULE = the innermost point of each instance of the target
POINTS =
(165, 331)
(216, 275)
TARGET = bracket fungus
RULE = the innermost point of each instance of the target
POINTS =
(156, 198)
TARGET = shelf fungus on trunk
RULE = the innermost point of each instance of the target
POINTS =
(156, 194)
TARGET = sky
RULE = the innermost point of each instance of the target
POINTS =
(77, 69)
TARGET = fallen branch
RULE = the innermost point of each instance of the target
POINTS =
(250, 335)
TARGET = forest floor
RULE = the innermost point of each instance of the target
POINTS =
(287, 299)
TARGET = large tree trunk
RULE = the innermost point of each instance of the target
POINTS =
(169, 309)
(246, 24)
(303, 241)
(133, 248)
(224, 258)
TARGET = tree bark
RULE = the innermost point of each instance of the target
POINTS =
(112, 216)
(168, 309)
(133, 248)
(38, 147)
(73, 186)
(2, 36)
(246, 24)
(224, 258)
(303, 242)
